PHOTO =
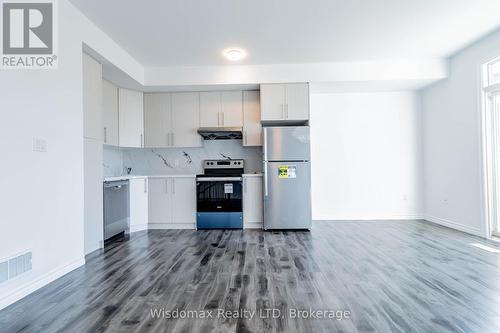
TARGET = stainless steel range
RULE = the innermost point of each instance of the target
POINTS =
(219, 195)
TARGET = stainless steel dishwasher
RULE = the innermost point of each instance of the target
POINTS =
(116, 210)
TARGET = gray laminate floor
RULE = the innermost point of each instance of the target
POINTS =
(394, 276)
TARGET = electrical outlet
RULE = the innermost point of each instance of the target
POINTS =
(39, 145)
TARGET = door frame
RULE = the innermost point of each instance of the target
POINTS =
(491, 162)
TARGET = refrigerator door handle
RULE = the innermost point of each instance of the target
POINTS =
(264, 134)
(266, 192)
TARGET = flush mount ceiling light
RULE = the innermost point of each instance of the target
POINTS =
(234, 54)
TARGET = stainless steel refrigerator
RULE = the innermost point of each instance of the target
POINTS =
(287, 177)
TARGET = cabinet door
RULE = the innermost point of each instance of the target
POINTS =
(210, 109)
(131, 118)
(110, 113)
(272, 102)
(232, 108)
(297, 101)
(92, 98)
(138, 204)
(252, 202)
(252, 129)
(186, 119)
(157, 120)
(159, 200)
(92, 195)
(184, 200)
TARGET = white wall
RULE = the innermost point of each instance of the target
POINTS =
(452, 143)
(41, 194)
(366, 156)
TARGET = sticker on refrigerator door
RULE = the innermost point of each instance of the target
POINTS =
(287, 171)
(228, 188)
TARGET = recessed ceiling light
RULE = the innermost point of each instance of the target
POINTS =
(234, 54)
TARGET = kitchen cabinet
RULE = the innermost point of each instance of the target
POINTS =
(185, 120)
(131, 118)
(138, 192)
(172, 202)
(184, 201)
(92, 98)
(157, 120)
(284, 102)
(92, 195)
(159, 201)
(232, 108)
(252, 129)
(253, 216)
(210, 109)
(110, 113)
(221, 109)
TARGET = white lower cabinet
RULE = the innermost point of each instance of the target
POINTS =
(138, 191)
(172, 203)
(253, 216)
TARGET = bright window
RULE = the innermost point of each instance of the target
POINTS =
(494, 72)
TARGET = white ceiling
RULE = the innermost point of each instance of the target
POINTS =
(193, 32)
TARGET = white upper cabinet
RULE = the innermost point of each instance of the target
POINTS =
(284, 102)
(110, 113)
(157, 120)
(272, 101)
(221, 109)
(252, 129)
(131, 118)
(232, 108)
(297, 101)
(92, 98)
(210, 109)
(185, 119)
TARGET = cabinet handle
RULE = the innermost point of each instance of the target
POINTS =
(166, 185)
(245, 134)
(142, 140)
(168, 139)
(283, 111)
(218, 119)
(286, 110)
(145, 185)
(105, 135)
(172, 143)
(222, 119)
(244, 185)
(173, 186)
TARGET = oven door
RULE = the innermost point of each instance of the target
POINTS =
(219, 202)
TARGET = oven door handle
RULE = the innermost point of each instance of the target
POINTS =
(218, 179)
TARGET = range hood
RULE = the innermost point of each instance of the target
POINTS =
(221, 133)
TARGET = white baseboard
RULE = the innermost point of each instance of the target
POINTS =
(369, 218)
(138, 227)
(454, 225)
(253, 225)
(28, 288)
(152, 226)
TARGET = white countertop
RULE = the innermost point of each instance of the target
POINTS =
(126, 177)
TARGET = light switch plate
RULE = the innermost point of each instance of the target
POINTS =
(39, 145)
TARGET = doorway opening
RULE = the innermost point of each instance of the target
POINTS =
(491, 144)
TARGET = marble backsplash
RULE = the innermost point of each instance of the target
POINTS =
(159, 161)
